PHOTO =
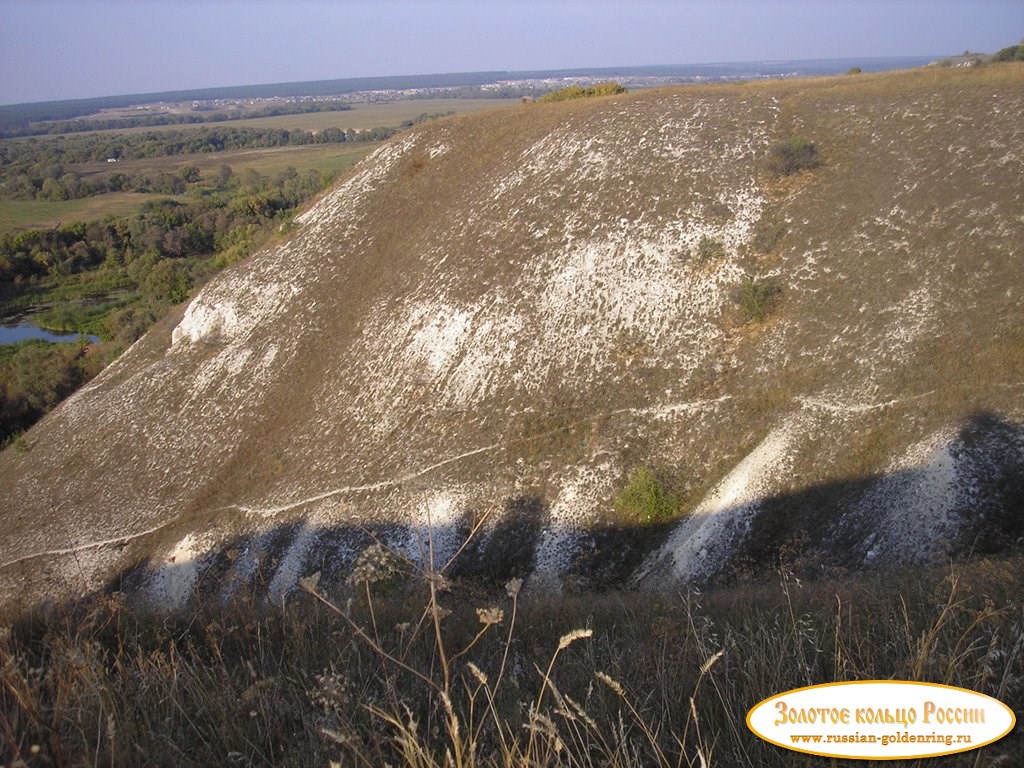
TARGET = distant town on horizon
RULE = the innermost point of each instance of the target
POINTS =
(637, 76)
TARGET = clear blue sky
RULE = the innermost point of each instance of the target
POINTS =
(60, 49)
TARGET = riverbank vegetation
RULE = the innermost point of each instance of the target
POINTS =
(116, 276)
(36, 375)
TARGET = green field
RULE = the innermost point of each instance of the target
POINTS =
(32, 214)
(360, 117)
(372, 115)
(326, 158)
(27, 214)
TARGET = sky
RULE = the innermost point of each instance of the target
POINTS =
(64, 49)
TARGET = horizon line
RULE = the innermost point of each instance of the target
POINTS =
(185, 93)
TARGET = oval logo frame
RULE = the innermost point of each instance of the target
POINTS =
(880, 719)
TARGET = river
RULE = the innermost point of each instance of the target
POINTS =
(23, 330)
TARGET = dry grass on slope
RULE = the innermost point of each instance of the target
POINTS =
(415, 671)
(898, 258)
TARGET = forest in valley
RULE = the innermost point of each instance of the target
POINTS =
(114, 274)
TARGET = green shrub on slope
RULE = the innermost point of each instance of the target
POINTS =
(796, 154)
(757, 298)
(646, 498)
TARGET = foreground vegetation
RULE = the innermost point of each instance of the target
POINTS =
(409, 669)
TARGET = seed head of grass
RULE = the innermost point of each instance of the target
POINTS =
(438, 581)
(710, 662)
(375, 565)
(490, 616)
(310, 582)
(478, 673)
(333, 692)
(513, 586)
(577, 634)
(610, 682)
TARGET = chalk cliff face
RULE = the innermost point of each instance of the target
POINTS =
(498, 317)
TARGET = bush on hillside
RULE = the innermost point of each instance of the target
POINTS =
(795, 154)
(709, 249)
(646, 498)
(1011, 53)
(580, 92)
(757, 298)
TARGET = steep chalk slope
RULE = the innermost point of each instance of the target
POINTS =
(498, 317)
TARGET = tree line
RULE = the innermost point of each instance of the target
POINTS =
(1010, 53)
(34, 169)
(15, 115)
(58, 127)
(162, 229)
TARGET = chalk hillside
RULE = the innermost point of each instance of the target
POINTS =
(502, 320)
